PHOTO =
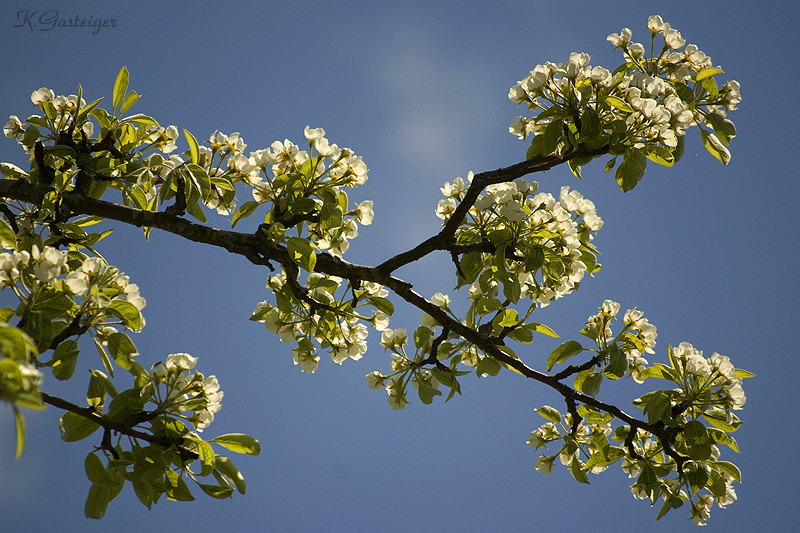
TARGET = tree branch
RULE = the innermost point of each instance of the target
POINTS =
(260, 251)
(92, 415)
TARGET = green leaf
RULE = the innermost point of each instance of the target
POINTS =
(144, 491)
(244, 211)
(206, 453)
(487, 367)
(512, 289)
(697, 474)
(657, 405)
(507, 318)
(331, 216)
(301, 252)
(577, 472)
(553, 135)
(74, 427)
(563, 352)
(659, 154)
(226, 467)
(720, 419)
(176, 487)
(697, 440)
(102, 379)
(659, 371)
(722, 126)
(575, 167)
(239, 443)
(121, 349)
(721, 437)
(7, 236)
(707, 72)
(103, 356)
(6, 314)
(588, 382)
(127, 102)
(19, 424)
(96, 394)
(617, 363)
(620, 104)
(591, 126)
(65, 357)
(536, 147)
(521, 334)
(549, 413)
(730, 469)
(534, 258)
(541, 328)
(742, 374)
(672, 502)
(710, 86)
(631, 170)
(139, 118)
(97, 473)
(127, 312)
(382, 304)
(126, 403)
(715, 147)
(96, 502)
(120, 87)
(194, 148)
(219, 492)
(427, 393)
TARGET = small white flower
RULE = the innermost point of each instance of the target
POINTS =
(544, 464)
(180, 361)
(375, 380)
(364, 213)
(440, 300)
(40, 96)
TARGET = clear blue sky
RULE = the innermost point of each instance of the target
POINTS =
(419, 90)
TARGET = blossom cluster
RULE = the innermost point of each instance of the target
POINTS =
(320, 173)
(643, 339)
(407, 368)
(531, 222)
(45, 266)
(714, 377)
(706, 389)
(649, 96)
(180, 391)
(339, 329)
(59, 112)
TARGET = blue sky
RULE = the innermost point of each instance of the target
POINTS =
(419, 90)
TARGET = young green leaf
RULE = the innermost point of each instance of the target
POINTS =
(631, 170)
(244, 211)
(564, 351)
(698, 442)
(226, 467)
(127, 312)
(715, 147)
(74, 427)
(127, 102)
(239, 443)
(549, 413)
(194, 148)
(19, 424)
(120, 87)
(301, 252)
(65, 358)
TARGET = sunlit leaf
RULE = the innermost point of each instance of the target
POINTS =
(239, 443)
